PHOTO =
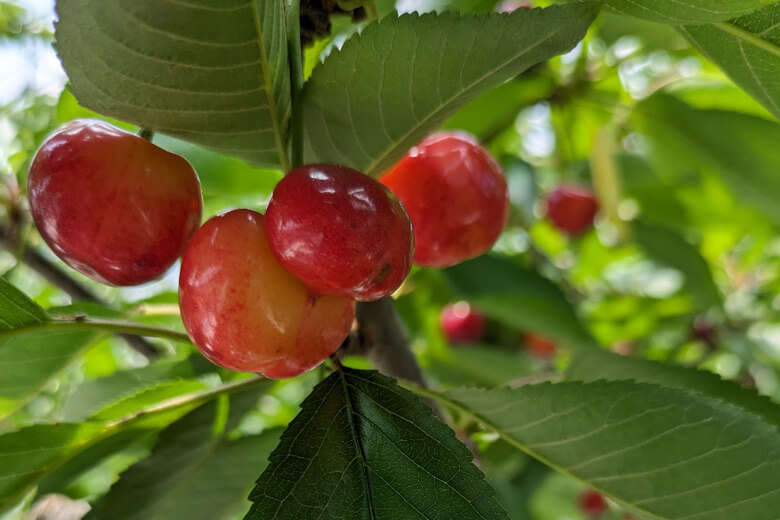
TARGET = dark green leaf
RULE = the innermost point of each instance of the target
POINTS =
(685, 11)
(741, 149)
(595, 364)
(668, 247)
(478, 365)
(748, 50)
(195, 472)
(671, 453)
(401, 78)
(16, 309)
(213, 72)
(518, 297)
(364, 448)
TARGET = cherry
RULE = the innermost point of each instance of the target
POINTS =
(462, 324)
(340, 232)
(592, 503)
(539, 346)
(112, 205)
(245, 312)
(508, 6)
(571, 209)
(456, 196)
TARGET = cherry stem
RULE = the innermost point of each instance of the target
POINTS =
(145, 133)
(9, 240)
(295, 56)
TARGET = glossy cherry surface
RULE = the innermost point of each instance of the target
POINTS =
(539, 346)
(572, 209)
(340, 232)
(509, 7)
(592, 503)
(456, 196)
(245, 312)
(112, 205)
(461, 323)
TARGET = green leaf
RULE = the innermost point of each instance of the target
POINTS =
(30, 454)
(401, 78)
(195, 472)
(739, 148)
(748, 50)
(668, 247)
(364, 448)
(671, 453)
(213, 72)
(477, 365)
(595, 364)
(519, 298)
(31, 357)
(685, 11)
(16, 309)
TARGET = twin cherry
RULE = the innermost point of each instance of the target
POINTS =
(273, 294)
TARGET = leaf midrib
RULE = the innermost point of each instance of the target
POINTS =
(748, 37)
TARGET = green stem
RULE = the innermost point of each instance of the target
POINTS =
(101, 325)
(296, 81)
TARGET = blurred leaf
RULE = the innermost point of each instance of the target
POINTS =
(747, 49)
(212, 73)
(685, 11)
(521, 181)
(741, 149)
(363, 447)
(668, 247)
(653, 36)
(408, 99)
(672, 453)
(519, 298)
(31, 357)
(195, 472)
(497, 109)
(658, 202)
(477, 365)
(593, 365)
(129, 405)
(32, 453)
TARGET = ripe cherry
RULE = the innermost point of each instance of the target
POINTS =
(539, 346)
(461, 323)
(340, 232)
(112, 205)
(592, 503)
(571, 209)
(456, 196)
(245, 312)
(508, 6)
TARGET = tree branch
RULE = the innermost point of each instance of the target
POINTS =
(57, 277)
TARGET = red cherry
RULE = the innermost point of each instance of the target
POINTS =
(340, 232)
(112, 205)
(456, 196)
(462, 324)
(593, 503)
(245, 312)
(571, 209)
(539, 346)
(509, 7)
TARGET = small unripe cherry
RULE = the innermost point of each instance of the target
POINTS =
(340, 232)
(245, 312)
(539, 346)
(592, 503)
(112, 205)
(572, 209)
(461, 323)
(455, 194)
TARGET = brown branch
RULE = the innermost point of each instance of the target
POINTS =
(57, 277)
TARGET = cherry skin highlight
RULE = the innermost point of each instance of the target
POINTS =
(572, 209)
(539, 346)
(245, 312)
(112, 205)
(592, 503)
(456, 196)
(461, 323)
(340, 232)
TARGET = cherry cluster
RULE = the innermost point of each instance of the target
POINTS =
(276, 293)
